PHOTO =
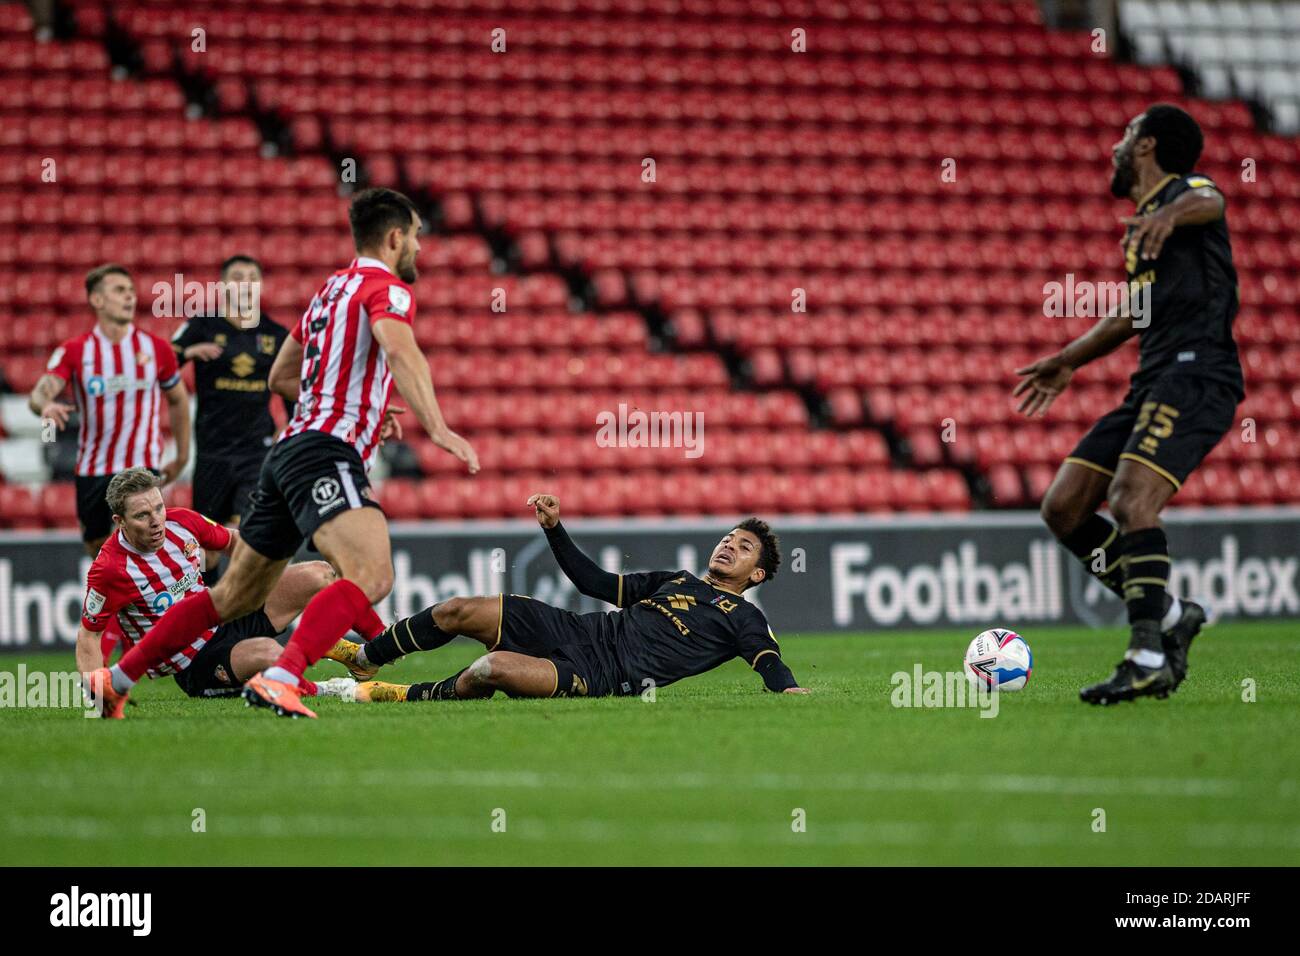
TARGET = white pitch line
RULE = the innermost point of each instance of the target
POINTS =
(879, 833)
(387, 777)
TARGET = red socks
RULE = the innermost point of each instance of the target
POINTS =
(110, 637)
(175, 631)
(333, 612)
(368, 624)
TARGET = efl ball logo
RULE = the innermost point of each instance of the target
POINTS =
(999, 659)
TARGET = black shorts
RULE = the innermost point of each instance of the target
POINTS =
(93, 513)
(578, 645)
(305, 481)
(223, 486)
(211, 674)
(1169, 426)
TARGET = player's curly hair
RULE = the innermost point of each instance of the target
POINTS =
(127, 483)
(1179, 140)
(374, 211)
(769, 552)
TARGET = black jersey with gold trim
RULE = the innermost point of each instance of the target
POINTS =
(233, 418)
(1190, 295)
(675, 625)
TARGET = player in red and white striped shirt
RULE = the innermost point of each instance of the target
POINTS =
(153, 559)
(354, 342)
(119, 375)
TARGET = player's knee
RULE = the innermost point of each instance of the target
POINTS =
(265, 652)
(375, 583)
(322, 575)
(485, 670)
(1059, 513)
(452, 614)
(1130, 505)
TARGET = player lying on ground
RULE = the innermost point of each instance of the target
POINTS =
(154, 557)
(353, 343)
(671, 625)
(1182, 400)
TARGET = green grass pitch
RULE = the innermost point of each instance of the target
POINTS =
(712, 772)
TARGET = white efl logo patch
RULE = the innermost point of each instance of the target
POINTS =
(1187, 356)
(325, 490)
(55, 359)
(399, 299)
(94, 602)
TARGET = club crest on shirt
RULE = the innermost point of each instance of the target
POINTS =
(190, 547)
(143, 358)
(266, 344)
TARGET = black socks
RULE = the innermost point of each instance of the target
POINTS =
(444, 689)
(415, 633)
(1093, 543)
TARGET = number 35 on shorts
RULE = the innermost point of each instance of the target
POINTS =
(1157, 420)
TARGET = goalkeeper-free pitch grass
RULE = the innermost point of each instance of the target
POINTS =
(715, 771)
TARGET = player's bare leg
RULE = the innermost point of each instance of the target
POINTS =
(356, 543)
(250, 656)
(1136, 495)
(1069, 510)
(247, 584)
(298, 585)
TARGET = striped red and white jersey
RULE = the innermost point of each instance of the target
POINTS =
(345, 378)
(118, 389)
(137, 587)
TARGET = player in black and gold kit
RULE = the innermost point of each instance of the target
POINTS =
(1182, 399)
(233, 355)
(671, 625)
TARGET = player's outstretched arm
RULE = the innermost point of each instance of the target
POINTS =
(415, 385)
(776, 676)
(1045, 379)
(587, 576)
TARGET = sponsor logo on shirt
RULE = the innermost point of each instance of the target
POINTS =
(98, 385)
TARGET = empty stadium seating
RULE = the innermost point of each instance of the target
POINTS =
(778, 176)
(1242, 48)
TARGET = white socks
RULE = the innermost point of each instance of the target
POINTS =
(1173, 614)
(280, 674)
(1145, 658)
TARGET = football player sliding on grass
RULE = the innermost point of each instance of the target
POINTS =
(671, 625)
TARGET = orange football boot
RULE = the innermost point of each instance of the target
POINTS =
(111, 704)
(280, 697)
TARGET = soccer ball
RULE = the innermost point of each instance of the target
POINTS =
(999, 659)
